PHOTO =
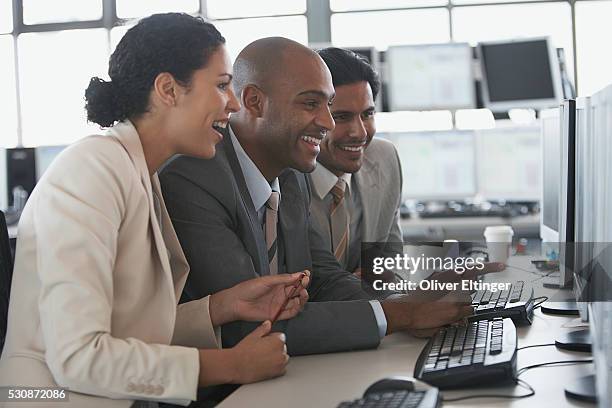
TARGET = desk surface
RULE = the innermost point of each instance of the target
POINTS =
(326, 380)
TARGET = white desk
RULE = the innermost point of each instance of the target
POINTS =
(326, 380)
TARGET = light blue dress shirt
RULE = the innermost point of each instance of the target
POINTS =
(258, 186)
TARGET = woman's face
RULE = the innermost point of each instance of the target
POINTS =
(205, 107)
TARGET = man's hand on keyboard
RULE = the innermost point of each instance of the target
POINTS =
(403, 313)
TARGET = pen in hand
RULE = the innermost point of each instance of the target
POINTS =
(291, 295)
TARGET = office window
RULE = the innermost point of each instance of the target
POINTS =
(400, 27)
(59, 11)
(6, 17)
(240, 33)
(349, 5)
(593, 33)
(250, 8)
(8, 97)
(52, 99)
(136, 9)
(490, 23)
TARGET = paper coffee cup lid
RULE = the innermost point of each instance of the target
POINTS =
(498, 232)
(499, 229)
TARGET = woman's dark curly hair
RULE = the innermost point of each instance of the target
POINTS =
(176, 43)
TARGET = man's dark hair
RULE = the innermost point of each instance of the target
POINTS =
(347, 68)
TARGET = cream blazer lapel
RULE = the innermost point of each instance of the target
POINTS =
(174, 255)
(126, 134)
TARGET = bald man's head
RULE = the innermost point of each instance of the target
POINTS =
(285, 91)
(271, 61)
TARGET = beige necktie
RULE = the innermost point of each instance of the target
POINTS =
(271, 221)
(339, 220)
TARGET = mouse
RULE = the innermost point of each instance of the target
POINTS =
(395, 383)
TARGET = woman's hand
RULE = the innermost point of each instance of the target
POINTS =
(259, 356)
(261, 298)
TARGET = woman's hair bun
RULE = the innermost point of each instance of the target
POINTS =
(102, 103)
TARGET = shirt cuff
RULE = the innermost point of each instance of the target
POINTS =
(381, 320)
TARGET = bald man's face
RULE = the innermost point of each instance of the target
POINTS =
(297, 115)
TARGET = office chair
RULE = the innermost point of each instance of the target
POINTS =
(6, 274)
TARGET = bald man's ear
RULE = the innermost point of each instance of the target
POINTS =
(252, 99)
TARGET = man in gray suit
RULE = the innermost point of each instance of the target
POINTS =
(245, 213)
(357, 184)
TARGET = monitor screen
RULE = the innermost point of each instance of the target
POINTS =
(436, 165)
(520, 74)
(509, 163)
(422, 77)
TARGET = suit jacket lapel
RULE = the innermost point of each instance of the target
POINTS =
(319, 213)
(291, 218)
(259, 254)
(368, 180)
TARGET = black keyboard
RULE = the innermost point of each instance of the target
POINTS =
(395, 399)
(515, 303)
(483, 352)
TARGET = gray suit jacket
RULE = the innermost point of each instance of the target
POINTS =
(217, 225)
(379, 183)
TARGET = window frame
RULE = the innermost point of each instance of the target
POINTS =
(318, 19)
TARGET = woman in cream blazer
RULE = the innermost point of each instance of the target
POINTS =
(99, 270)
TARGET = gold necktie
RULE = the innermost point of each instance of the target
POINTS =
(339, 220)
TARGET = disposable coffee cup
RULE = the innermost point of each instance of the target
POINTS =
(499, 242)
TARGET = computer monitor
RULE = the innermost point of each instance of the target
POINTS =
(508, 165)
(44, 157)
(428, 77)
(584, 205)
(600, 312)
(593, 262)
(551, 154)
(521, 73)
(568, 193)
(21, 174)
(436, 165)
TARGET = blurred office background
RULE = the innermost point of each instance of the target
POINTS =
(469, 158)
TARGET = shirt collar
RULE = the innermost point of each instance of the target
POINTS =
(323, 180)
(259, 188)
